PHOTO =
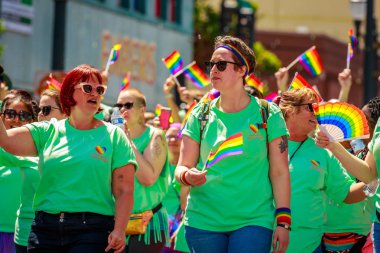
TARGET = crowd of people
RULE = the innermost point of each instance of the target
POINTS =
(231, 173)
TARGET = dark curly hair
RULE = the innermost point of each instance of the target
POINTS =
(374, 109)
(21, 96)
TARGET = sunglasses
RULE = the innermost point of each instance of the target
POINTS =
(127, 105)
(46, 109)
(220, 65)
(310, 106)
(22, 116)
(87, 88)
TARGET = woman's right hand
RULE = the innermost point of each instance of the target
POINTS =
(196, 177)
(322, 140)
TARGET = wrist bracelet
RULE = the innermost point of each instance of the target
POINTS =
(183, 179)
(283, 215)
(284, 225)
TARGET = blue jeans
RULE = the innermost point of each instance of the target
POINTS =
(376, 237)
(245, 239)
(69, 233)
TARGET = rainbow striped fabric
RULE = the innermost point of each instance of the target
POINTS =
(126, 82)
(254, 82)
(52, 84)
(271, 96)
(191, 107)
(115, 52)
(311, 61)
(232, 146)
(197, 76)
(173, 62)
(299, 82)
(352, 38)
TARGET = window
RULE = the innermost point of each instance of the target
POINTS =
(124, 4)
(175, 11)
(161, 9)
(139, 6)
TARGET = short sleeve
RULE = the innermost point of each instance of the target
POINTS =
(338, 182)
(276, 123)
(40, 132)
(122, 150)
(192, 127)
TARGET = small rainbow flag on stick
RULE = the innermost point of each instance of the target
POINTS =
(310, 60)
(352, 38)
(52, 84)
(126, 82)
(232, 146)
(254, 82)
(299, 82)
(114, 55)
(196, 75)
(173, 62)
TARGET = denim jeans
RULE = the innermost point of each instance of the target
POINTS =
(69, 232)
(245, 239)
(376, 237)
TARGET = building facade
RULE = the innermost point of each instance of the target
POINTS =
(61, 34)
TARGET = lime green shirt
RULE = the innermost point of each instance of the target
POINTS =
(76, 166)
(10, 188)
(314, 172)
(172, 199)
(28, 167)
(238, 191)
(374, 148)
(148, 197)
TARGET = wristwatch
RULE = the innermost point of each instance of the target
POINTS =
(284, 225)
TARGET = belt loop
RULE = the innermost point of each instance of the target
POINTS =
(84, 218)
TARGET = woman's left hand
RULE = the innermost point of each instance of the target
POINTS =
(116, 241)
(280, 240)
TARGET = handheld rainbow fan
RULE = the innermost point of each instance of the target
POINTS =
(341, 121)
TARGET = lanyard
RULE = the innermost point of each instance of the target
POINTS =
(291, 157)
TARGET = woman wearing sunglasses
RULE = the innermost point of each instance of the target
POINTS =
(152, 177)
(18, 176)
(50, 106)
(229, 163)
(87, 166)
(314, 173)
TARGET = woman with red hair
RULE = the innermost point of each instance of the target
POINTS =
(87, 167)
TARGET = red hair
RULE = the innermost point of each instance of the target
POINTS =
(81, 73)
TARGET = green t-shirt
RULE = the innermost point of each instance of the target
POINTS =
(148, 197)
(172, 198)
(238, 191)
(28, 167)
(314, 172)
(76, 166)
(374, 148)
(10, 188)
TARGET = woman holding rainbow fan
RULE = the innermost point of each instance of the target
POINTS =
(228, 162)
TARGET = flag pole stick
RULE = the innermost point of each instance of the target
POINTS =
(348, 59)
(296, 60)
(183, 70)
(108, 62)
(174, 77)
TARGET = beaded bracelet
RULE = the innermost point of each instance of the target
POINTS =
(283, 215)
(183, 179)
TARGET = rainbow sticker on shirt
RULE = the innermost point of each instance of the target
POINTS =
(100, 149)
(254, 128)
(316, 163)
(232, 146)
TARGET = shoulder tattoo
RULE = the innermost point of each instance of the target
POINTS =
(157, 144)
(283, 144)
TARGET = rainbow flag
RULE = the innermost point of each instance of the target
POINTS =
(191, 107)
(52, 84)
(232, 146)
(271, 96)
(254, 82)
(352, 39)
(115, 52)
(173, 62)
(299, 82)
(350, 52)
(126, 82)
(311, 61)
(197, 76)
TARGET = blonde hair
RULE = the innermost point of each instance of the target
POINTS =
(294, 97)
(137, 94)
